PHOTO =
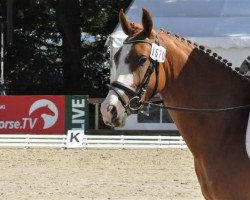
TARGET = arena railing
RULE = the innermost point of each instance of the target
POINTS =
(91, 141)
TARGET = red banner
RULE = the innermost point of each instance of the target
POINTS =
(32, 114)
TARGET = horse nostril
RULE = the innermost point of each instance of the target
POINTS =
(112, 109)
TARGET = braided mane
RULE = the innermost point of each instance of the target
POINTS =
(206, 51)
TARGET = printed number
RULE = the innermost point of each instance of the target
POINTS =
(158, 53)
(152, 51)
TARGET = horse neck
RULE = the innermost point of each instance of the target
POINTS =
(193, 73)
(195, 78)
(198, 80)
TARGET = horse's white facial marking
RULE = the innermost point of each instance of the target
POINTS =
(113, 100)
(123, 73)
(113, 112)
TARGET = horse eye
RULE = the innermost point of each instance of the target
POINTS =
(142, 60)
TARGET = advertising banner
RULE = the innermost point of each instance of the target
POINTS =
(41, 114)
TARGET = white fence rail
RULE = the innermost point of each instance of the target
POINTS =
(92, 141)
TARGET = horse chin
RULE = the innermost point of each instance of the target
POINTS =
(113, 112)
(119, 121)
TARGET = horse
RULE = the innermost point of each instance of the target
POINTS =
(187, 75)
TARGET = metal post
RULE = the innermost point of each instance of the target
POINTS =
(96, 116)
(2, 51)
(9, 22)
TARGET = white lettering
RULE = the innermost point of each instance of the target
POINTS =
(32, 123)
(78, 114)
(16, 125)
(9, 124)
(25, 122)
(29, 122)
(78, 103)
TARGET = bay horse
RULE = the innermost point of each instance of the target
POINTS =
(186, 75)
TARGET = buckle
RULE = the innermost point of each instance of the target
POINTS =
(134, 103)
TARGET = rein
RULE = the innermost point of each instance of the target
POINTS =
(193, 110)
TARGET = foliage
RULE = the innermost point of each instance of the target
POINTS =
(35, 62)
(99, 19)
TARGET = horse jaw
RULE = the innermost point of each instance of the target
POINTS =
(108, 117)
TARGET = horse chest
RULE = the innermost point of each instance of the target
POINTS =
(222, 181)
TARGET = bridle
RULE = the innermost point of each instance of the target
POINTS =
(135, 103)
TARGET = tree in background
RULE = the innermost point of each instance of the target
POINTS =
(98, 19)
(33, 63)
(68, 20)
(59, 46)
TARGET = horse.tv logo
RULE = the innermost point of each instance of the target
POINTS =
(44, 113)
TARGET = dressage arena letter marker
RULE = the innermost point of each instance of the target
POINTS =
(75, 138)
(158, 53)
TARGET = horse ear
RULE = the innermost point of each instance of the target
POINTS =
(125, 23)
(147, 22)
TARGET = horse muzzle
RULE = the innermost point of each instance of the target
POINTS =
(113, 112)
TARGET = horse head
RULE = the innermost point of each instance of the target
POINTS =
(135, 80)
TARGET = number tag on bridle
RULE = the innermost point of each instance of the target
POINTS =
(158, 53)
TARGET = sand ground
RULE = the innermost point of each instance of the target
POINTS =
(120, 174)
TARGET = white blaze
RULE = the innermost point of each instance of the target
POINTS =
(123, 74)
(111, 99)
